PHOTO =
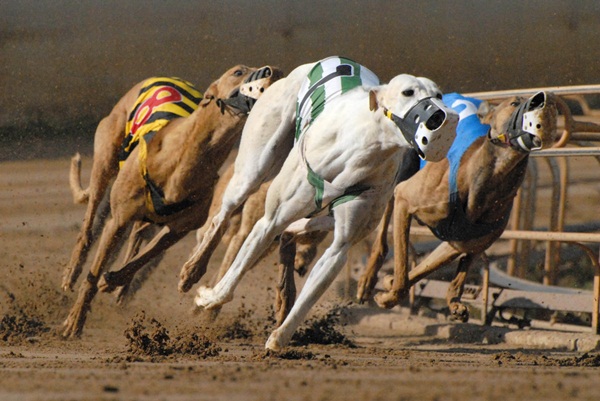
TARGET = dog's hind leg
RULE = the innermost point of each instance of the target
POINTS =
(286, 286)
(379, 251)
(306, 250)
(141, 231)
(289, 198)
(104, 168)
(165, 238)
(258, 241)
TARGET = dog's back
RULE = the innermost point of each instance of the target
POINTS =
(327, 80)
(160, 100)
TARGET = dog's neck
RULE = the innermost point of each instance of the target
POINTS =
(491, 189)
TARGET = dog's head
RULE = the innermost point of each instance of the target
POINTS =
(226, 91)
(524, 124)
(415, 107)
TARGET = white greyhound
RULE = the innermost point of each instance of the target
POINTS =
(346, 160)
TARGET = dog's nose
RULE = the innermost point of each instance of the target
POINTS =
(436, 120)
(537, 101)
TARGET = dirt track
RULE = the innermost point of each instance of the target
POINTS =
(155, 348)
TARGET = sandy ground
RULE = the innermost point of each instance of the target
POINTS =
(155, 348)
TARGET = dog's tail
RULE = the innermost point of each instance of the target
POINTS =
(80, 195)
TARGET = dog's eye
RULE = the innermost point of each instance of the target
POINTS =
(439, 96)
(408, 92)
(238, 73)
(515, 103)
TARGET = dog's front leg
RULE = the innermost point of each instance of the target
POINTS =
(195, 267)
(458, 310)
(400, 286)
(111, 237)
(253, 248)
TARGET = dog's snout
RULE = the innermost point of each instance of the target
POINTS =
(537, 126)
(436, 120)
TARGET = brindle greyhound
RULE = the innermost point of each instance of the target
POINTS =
(465, 201)
(160, 182)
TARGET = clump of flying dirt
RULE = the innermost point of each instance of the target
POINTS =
(322, 330)
(292, 354)
(156, 342)
(19, 327)
(520, 358)
(17, 324)
(523, 359)
(585, 360)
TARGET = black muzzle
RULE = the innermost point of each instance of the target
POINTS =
(241, 102)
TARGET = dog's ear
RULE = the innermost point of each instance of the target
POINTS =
(373, 104)
(209, 95)
(484, 112)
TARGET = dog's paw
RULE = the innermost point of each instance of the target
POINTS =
(363, 290)
(388, 282)
(73, 325)
(459, 312)
(208, 298)
(204, 296)
(191, 272)
(69, 278)
(388, 299)
(274, 342)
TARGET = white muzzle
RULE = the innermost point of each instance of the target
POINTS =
(429, 126)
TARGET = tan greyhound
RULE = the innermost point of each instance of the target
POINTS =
(466, 198)
(116, 136)
(168, 180)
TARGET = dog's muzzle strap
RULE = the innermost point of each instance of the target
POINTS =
(238, 102)
(406, 129)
